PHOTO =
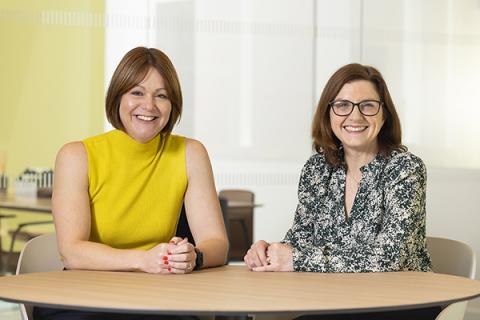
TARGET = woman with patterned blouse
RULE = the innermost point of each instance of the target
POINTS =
(361, 195)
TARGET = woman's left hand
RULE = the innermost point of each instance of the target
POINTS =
(279, 257)
(181, 259)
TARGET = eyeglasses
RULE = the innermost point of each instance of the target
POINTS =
(368, 108)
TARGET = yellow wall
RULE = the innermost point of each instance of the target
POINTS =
(51, 78)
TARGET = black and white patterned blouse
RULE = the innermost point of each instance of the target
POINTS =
(385, 230)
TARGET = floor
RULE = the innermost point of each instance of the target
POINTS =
(9, 311)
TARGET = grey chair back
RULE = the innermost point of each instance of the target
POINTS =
(452, 257)
(455, 258)
(40, 254)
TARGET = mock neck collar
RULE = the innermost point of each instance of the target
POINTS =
(132, 146)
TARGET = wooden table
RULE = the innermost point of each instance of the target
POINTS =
(233, 290)
(41, 205)
(45, 204)
(243, 205)
(36, 205)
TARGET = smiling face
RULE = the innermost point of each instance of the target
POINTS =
(145, 109)
(356, 132)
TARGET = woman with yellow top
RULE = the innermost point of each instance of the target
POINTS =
(117, 196)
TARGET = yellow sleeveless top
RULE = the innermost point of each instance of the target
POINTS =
(136, 190)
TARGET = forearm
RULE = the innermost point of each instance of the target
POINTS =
(96, 256)
(214, 252)
(309, 259)
(369, 258)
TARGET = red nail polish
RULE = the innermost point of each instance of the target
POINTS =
(165, 262)
(169, 252)
(169, 269)
(165, 258)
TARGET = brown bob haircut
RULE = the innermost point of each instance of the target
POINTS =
(131, 71)
(324, 140)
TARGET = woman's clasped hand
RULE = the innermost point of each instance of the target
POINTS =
(176, 256)
(264, 256)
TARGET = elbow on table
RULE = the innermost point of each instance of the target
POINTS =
(218, 253)
(69, 257)
(68, 263)
(222, 256)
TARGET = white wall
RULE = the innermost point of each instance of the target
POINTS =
(428, 51)
(253, 98)
(253, 70)
(247, 82)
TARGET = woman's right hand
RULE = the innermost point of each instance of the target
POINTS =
(257, 255)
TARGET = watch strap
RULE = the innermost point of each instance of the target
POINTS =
(198, 259)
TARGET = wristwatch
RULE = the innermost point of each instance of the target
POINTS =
(198, 260)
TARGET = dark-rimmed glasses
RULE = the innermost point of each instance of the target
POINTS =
(368, 108)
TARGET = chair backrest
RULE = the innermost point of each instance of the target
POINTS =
(455, 258)
(224, 207)
(40, 254)
(183, 229)
(237, 195)
(452, 257)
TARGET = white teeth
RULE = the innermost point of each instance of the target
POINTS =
(354, 129)
(146, 118)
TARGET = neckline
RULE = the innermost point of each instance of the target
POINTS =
(131, 146)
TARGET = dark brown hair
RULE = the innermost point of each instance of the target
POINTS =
(324, 140)
(131, 70)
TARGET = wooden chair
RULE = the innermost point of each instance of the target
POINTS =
(243, 217)
(4, 267)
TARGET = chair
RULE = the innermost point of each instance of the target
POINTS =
(26, 235)
(454, 258)
(23, 236)
(244, 214)
(183, 229)
(4, 268)
(40, 254)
